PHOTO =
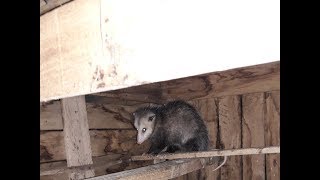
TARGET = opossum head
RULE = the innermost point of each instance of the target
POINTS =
(144, 122)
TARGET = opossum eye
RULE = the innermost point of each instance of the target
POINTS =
(144, 130)
(151, 118)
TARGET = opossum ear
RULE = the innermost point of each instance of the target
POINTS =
(151, 118)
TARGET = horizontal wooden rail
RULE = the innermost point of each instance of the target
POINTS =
(203, 154)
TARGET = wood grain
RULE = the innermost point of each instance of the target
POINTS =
(103, 142)
(100, 116)
(76, 136)
(272, 132)
(253, 111)
(230, 134)
(100, 165)
(209, 112)
(165, 170)
(259, 78)
(52, 146)
(51, 116)
(209, 153)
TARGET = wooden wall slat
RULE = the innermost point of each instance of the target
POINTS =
(272, 134)
(260, 114)
(100, 116)
(51, 116)
(253, 112)
(103, 142)
(230, 134)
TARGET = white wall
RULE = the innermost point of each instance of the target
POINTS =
(174, 38)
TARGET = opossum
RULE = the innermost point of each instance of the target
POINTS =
(176, 126)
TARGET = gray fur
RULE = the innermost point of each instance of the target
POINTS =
(177, 126)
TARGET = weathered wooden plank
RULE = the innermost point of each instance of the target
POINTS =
(230, 134)
(49, 5)
(90, 46)
(148, 93)
(209, 112)
(76, 136)
(98, 99)
(109, 116)
(272, 134)
(52, 146)
(100, 164)
(164, 170)
(210, 153)
(259, 78)
(103, 142)
(51, 116)
(100, 116)
(253, 112)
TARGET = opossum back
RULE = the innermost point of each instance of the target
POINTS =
(181, 121)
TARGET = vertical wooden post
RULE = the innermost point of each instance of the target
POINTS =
(76, 136)
(272, 134)
(253, 106)
(230, 134)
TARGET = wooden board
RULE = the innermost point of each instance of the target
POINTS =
(103, 142)
(230, 134)
(52, 170)
(51, 116)
(164, 170)
(52, 146)
(272, 134)
(259, 78)
(76, 136)
(91, 46)
(100, 116)
(253, 112)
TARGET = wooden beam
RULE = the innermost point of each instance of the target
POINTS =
(76, 136)
(212, 153)
(164, 170)
(92, 46)
(48, 5)
(244, 80)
